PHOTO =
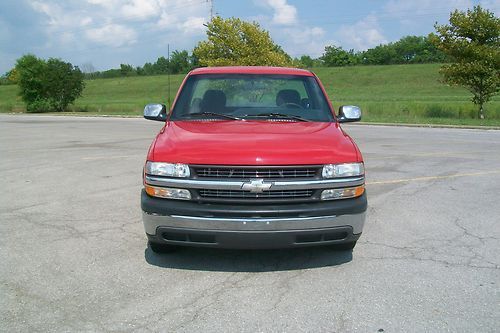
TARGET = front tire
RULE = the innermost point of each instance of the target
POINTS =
(162, 248)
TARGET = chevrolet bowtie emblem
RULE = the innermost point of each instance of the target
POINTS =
(256, 186)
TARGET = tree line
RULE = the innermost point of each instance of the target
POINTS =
(179, 62)
(407, 50)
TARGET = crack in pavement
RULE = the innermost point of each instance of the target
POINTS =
(429, 249)
(72, 231)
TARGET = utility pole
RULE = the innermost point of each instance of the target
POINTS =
(211, 9)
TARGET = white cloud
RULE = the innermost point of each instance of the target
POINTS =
(62, 28)
(140, 9)
(287, 30)
(113, 35)
(306, 40)
(362, 35)
(179, 19)
(106, 3)
(51, 10)
(166, 20)
(410, 12)
(194, 25)
(117, 23)
(284, 13)
(85, 21)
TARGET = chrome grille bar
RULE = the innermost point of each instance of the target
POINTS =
(237, 185)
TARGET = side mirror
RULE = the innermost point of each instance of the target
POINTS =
(349, 113)
(155, 112)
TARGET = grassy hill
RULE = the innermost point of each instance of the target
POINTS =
(396, 93)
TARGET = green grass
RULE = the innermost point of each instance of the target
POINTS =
(404, 94)
(9, 101)
(117, 96)
(397, 93)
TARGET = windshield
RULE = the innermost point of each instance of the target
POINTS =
(252, 96)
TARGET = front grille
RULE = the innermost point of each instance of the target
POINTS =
(232, 194)
(245, 173)
(248, 173)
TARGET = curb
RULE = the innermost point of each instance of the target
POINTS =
(362, 123)
(69, 114)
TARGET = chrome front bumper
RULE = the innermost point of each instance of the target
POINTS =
(153, 221)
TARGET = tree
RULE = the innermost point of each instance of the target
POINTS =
(161, 66)
(380, 55)
(336, 56)
(13, 76)
(407, 50)
(9, 77)
(194, 61)
(235, 42)
(148, 69)
(416, 49)
(31, 71)
(48, 85)
(472, 41)
(127, 70)
(306, 61)
(179, 62)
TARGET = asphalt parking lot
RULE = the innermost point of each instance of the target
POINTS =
(74, 256)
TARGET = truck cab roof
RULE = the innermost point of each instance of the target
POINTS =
(251, 70)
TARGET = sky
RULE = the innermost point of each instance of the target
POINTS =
(107, 33)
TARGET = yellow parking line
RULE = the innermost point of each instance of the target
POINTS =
(438, 154)
(407, 180)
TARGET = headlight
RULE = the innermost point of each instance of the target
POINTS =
(342, 193)
(167, 169)
(168, 193)
(343, 170)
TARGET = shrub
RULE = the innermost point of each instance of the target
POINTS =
(49, 85)
(39, 105)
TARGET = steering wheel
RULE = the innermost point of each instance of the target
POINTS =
(293, 104)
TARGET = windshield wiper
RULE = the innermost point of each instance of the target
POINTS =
(278, 116)
(214, 114)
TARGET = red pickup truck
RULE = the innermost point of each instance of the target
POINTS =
(252, 157)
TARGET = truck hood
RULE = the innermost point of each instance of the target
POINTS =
(253, 143)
